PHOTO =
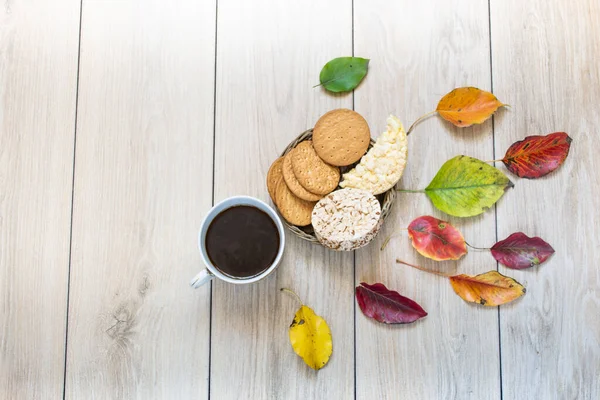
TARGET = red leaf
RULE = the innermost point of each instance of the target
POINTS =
(387, 306)
(519, 251)
(436, 239)
(536, 156)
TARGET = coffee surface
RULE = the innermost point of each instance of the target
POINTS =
(242, 241)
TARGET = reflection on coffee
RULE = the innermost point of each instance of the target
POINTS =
(242, 241)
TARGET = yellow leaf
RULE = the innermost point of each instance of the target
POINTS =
(467, 106)
(311, 338)
(489, 289)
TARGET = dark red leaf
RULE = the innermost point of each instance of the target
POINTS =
(519, 251)
(387, 306)
(536, 156)
(436, 239)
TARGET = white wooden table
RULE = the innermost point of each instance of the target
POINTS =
(122, 122)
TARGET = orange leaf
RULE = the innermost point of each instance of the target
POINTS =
(489, 289)
(467, 106)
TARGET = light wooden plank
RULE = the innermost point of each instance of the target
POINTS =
(545, 60)
(419, 53)
(38, 78)
(268, 58)
(143, 179)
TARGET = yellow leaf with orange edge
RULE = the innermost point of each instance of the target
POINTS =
(489, 289)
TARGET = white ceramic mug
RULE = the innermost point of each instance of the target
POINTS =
(211, 271)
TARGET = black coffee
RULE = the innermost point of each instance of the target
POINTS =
(242, 241)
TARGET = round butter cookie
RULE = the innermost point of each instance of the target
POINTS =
(292, 182)
(274, 176)
(312, 172)
(293, 209)
(341, 137)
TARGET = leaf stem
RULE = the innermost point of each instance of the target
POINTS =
(423, 269)
(327, 81)
(387, 240)
(493, 161)
(409, 191)
(421, 118)
(290, 291)
(476, 248)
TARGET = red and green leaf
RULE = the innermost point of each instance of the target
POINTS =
(519, 251)
(436, 239)
(387, 306)
(536, 156)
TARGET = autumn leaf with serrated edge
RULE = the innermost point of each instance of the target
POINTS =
(310, 336)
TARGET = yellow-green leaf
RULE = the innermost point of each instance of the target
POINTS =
(311, 338)
(466, 186)
(466, 106)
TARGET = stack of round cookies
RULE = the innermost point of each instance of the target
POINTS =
(310, 170)
(302, 181)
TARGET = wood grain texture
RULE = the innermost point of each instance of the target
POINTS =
(143, 182)
(545, 63)
(38, 77)
(419, 53)
(269, 57)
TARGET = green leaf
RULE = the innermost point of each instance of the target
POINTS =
(343, 74)
(466, 186)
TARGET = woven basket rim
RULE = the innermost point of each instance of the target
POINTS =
(386, 199)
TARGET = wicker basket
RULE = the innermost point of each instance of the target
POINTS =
(306, 232)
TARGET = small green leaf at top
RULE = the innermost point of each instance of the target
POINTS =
(343, 74)
(465, 186)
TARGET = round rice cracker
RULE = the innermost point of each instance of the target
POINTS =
(347, 219)
(274, 176)
(293, 209)
(314, 174)
(292, 182)
(341, 137)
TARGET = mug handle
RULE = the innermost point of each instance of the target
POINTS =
(203, 277)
